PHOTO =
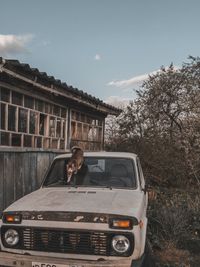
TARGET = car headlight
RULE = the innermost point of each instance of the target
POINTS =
(120, 243)
(11, 237)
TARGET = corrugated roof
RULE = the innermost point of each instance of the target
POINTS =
(27, 71)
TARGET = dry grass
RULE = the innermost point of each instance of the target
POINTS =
(171, 255)
(174, 219)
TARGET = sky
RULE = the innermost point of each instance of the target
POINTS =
(103, 47)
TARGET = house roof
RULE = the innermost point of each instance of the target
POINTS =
(43, 80)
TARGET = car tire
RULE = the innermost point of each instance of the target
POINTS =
(148, 259)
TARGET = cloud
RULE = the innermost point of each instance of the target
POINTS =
(118, 101)
(97, 57)
(14, 44)
(137, 80)
(132, 81)
(45, 43)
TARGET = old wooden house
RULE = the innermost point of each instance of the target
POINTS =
(40, 117)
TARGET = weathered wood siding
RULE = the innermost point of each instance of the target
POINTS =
(21, 173)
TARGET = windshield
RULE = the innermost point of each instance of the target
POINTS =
(95, 172)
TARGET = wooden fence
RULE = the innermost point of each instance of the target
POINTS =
(21, 173)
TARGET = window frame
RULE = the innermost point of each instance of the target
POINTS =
(62, 137)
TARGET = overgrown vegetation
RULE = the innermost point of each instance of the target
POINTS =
(162, 125)
(174, 226)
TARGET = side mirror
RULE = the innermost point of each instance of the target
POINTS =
(146, 188)
(152, 194)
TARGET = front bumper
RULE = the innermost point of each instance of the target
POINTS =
(17, 260)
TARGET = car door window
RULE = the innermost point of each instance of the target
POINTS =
(140, 174)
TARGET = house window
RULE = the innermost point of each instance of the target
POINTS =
(11, 118)
(29, 102)
(82, 117)
(86, 131)
(5, 95)
(79, 131)
(46, 107)
(56, 111)
(29, 122)
(22, 120)
(42, 124)
(58, 128)
(63, 113)
(17, 98)
(4, 139)
(27, 141)
(2, 116)
(33, 122)
(39, 105)
(63, 128)
(16, 139)
(73, 130)
(52, 127)
(46, 143)
(77, 116)
(62, 144)
(55, 143)
(37, 142)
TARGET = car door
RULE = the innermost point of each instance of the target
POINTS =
(142, 184)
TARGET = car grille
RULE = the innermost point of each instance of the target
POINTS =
(66, 241)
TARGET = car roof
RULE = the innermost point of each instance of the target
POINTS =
(103, 154)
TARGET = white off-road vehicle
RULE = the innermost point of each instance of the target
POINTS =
(99, 219)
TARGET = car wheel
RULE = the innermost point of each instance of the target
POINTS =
(148, 259)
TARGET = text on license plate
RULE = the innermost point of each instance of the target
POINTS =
(42, 264)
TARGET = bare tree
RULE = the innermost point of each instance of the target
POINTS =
(163, 124)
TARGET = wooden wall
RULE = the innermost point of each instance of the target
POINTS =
(21, 173)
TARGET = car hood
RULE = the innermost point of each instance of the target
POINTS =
(104, 200)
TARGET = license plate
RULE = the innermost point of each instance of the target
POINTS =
(42, 264)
